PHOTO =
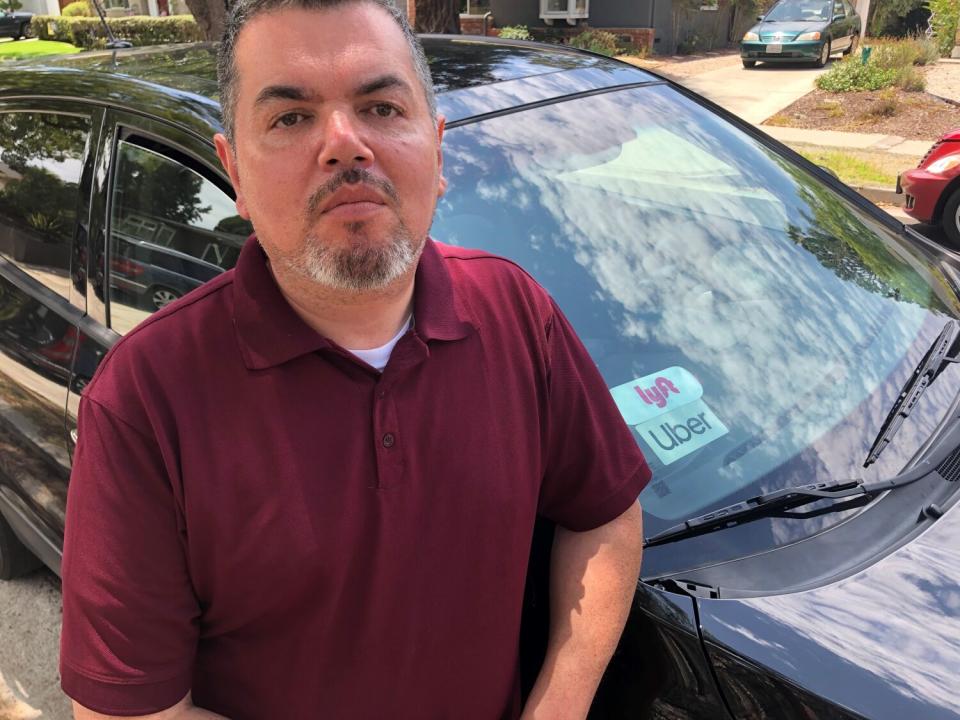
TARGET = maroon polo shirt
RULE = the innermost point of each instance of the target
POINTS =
(259, 516)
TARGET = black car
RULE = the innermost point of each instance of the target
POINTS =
(15, 24)
(766, 332)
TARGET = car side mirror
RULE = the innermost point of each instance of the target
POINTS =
(839, 17)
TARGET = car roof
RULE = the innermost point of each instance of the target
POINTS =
(472, 75)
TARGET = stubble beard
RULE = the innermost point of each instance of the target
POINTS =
(363, 263)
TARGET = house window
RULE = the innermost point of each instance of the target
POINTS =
(569, 10)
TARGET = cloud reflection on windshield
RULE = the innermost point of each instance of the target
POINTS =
(696, 248)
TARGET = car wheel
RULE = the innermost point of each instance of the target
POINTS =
(161, 296)
(15, 559)
(854, 43)
(749, 63)
(25, 31)
(951, 218)
(824, 54)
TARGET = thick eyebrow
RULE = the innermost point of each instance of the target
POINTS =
(279, 92)
(293, 92)
(382, 83)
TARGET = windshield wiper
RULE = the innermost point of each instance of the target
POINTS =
(772, 503)
(933, 363)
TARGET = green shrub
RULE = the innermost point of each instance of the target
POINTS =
(946, 16)
(597, 41)
(79, 8)
(87, 32)
(910, 79)
(850, 76)
(515, 32)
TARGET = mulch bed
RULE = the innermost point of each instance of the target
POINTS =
(917, 115)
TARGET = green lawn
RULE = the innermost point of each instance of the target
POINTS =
(16, 49)
(859, 167)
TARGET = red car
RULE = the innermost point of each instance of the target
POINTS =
(933, 187)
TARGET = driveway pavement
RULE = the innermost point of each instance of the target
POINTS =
(754, 94)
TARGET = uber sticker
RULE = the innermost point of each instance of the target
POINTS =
(653, 395)
(679, 432)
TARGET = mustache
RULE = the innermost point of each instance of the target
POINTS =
(353, 176)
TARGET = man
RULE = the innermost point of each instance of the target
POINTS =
(307, 490)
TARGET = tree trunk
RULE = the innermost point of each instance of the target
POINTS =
(438, 16)
(211, 16)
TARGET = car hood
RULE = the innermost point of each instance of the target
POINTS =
(789, 29)
(884, 642)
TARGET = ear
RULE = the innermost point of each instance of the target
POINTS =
(441, 125)
(228, 159)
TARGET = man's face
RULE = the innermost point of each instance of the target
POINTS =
(336, 158)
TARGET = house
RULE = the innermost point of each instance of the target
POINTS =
(662, 26)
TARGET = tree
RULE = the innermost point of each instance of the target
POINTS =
(438, 16)
(211, 16)
(889, 17)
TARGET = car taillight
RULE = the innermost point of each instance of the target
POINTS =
(126, 267)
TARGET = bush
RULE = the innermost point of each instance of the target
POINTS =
(910, 79)
(515, 32)
(915, 50)
(946, 16)
(87, 32)
(885, 106)
(80, 8)
(850, 76)
(598, 41)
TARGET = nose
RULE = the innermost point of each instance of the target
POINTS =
(343, 144)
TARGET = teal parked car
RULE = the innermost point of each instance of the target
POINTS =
(802, 31)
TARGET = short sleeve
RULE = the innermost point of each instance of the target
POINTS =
(130, 616)
(594, 469)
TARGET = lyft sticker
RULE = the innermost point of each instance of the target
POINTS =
(654, 395)
(681, 431)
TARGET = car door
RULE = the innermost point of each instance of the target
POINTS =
(164, 222)
(8, 25)
(839, 27)
(853, 20)
(46, 160)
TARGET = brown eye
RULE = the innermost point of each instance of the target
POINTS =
(383, 110)
(289, 120)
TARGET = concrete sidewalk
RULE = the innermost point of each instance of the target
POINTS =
(876, 142)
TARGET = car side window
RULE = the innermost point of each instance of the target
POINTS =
(41, 161)
(838, 9)
(171, 230)
(849, 8)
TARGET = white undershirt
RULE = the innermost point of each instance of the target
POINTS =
(377, 357)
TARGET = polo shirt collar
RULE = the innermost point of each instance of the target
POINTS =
(271, 333)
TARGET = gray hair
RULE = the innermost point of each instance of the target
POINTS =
(243, 11)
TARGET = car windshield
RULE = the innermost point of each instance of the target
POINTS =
(799, 11)
(752, 325)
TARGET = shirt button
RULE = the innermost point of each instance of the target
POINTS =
(382, 393)
(389, 440)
